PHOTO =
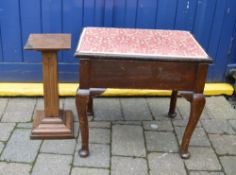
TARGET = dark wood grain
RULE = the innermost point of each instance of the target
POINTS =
(186, 75)
(52, 123)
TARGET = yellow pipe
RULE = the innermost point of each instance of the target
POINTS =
(69, 89)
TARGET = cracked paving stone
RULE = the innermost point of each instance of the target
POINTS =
(20, 148)
(98, 135)
(160, 107)
(89, 171)
(161, 141)
(99, 156)
(129, 166)
(198, 138)
(166, 163)
(233, 124)
(127, 122)
(228, 163)
(224, 144)
(135, 109)
(107, 109)
(6, 129)
(58, 146)
(202, 158)
(52, 164)
(14, 169)
(19, 110)
(216, 126)
(128, 140)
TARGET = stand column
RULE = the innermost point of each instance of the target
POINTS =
(52, 123)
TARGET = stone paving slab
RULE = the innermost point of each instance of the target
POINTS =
(217, 126)
(206, 173)
(99, 156)
(14, 169)
(161, 141)
(1, 146)
(199, 137)
(19, 110)
(94, 124)
(107, 109)
(3, 104)
(158, 125)
(202, 158)
(135, 138)
(224, 144)
(58, 146)
(233, 124)
(52, 164)
(89, 171)
(20, 148)
(98, 135)
(69, 104)
(166, 163)
(160, 108)
(217, 107)
(135, 109)
(183, 123)
(228, 163)
(127, 140)
(6, 130)
(129, 166)
(183, 107)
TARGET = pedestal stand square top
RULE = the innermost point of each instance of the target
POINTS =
(140, 43)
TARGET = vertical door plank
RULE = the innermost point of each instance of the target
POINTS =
(185, 14)
(108, 14)
(11, 31)
(146, 14)
(203, 21)
(131, 13)
(31, 23)
(72, 23)
(119, 13)
(166, 13)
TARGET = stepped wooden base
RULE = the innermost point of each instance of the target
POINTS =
(53, 127)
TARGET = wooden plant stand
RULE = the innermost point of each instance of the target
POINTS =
(52, 123)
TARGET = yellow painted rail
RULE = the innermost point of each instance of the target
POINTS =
(69, 89)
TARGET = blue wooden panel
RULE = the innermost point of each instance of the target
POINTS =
(224, 45)
(99, 13)
(203, 21)
(108, 13)
(146, 14)
(72, 23)
(131, 13)
(32, 72)
(119, 13)
(211, 21)
(166, 13)
(11, 31)
(1, 55)
(30, 23)
(217, 24)
(185, 14)
(89, 8)
(52, 18)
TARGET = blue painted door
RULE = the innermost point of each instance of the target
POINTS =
(211, 21)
